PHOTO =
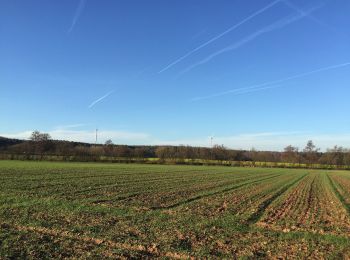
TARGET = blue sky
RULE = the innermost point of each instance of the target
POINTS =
(257, 73)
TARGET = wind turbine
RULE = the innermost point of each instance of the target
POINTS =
(211, 140)
(96, 136)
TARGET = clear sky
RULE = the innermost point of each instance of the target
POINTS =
(250, 73)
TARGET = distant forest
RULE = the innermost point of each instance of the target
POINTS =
(41, 144)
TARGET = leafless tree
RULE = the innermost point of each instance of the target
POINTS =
(36, 136)
(108, 147)
(290, 154)
(41, 142)
(311, 151)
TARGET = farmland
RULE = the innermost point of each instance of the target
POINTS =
(89, 210)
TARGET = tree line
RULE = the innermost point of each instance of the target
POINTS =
(42, 144)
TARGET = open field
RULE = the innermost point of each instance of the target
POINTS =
(89, 210)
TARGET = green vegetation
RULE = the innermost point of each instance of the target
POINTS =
(40, 147)
(90, 210)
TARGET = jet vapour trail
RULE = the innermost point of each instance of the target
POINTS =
(271, 83)
(220, 35)
(274, 26)
(245, 91)
(77, 15)
(311, 17)
(100, 99)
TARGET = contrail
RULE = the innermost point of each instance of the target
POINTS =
(272, 27)
(220, 35)
(77, 14)
(100, 99)
(256, 89)
(240, 91)
(69, 126)
(271, 83)
(311, 17)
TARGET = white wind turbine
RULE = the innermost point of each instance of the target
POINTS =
(211, 140)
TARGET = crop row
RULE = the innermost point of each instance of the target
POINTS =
(311, 205)
(242, 202)
(148, 188)
(149, 210)
(341, 185)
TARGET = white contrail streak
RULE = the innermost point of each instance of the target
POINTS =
(311, 17)
(220, 35)
(271, 83)
(272, 27)
(245, 91)
(69, 126)
(77, 15)
(100, 99)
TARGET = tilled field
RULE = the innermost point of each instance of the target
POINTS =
(88, 210)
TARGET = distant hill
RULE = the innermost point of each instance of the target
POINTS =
(4, 141)
(8, 141)
(79, 151)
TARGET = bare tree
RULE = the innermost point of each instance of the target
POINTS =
(311, 151)
(108, 147)
(335, 156)
(140, 152)
(109, 142)
(41, 142)
(290, 154)
(36, 136)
